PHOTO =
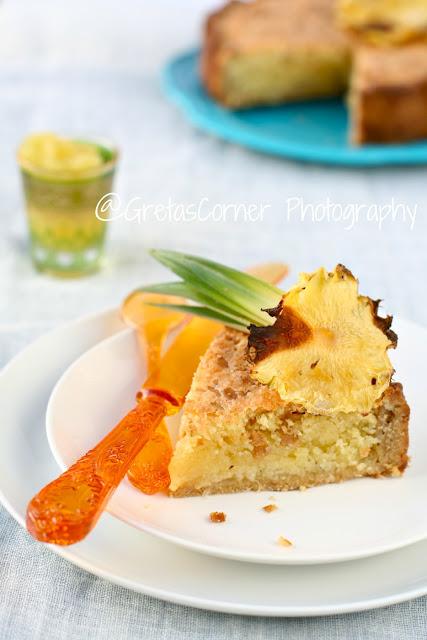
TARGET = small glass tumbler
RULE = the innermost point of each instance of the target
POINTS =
(66, 236)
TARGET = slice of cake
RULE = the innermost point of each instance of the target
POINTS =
(270, 51)
(388, 95)
(298, 392)
(238, 434)
(301, 401)
(384, 21)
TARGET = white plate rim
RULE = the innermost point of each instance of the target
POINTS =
(201, 603)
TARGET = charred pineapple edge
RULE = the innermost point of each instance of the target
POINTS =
(290, 330)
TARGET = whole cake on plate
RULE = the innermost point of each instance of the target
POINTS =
(267, 52)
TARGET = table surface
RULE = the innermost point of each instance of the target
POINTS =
(93, 69)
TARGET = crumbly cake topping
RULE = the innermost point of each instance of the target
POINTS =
(272, 23)
(222, 384)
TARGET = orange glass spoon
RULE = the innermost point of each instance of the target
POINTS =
(150, 470)
(66, 510)
(152, 324)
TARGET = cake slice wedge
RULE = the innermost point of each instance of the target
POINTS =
(298, 390)
(272, 51)
(238, 434)
(388, 94)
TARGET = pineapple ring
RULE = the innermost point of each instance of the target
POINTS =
(327, 350)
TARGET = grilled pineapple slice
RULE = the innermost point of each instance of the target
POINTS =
(327, 349)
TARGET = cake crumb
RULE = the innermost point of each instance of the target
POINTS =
(270, 507)
(284, 542)
(303, 488)
(396, 472)
(217, 516)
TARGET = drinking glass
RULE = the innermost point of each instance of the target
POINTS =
(66, 236)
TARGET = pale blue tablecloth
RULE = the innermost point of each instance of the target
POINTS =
(92, 68)
(44, 597)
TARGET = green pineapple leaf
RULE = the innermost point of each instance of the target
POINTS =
(224, 294)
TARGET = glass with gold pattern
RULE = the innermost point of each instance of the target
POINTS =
(63, 181)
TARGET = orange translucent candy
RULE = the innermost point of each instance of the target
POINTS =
(152, 324)
(150, 470)
(272, 272)
(68, 508)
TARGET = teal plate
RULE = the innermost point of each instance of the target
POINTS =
(309, 131)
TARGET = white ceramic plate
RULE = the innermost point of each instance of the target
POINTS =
(326, 524)
(130, 558)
